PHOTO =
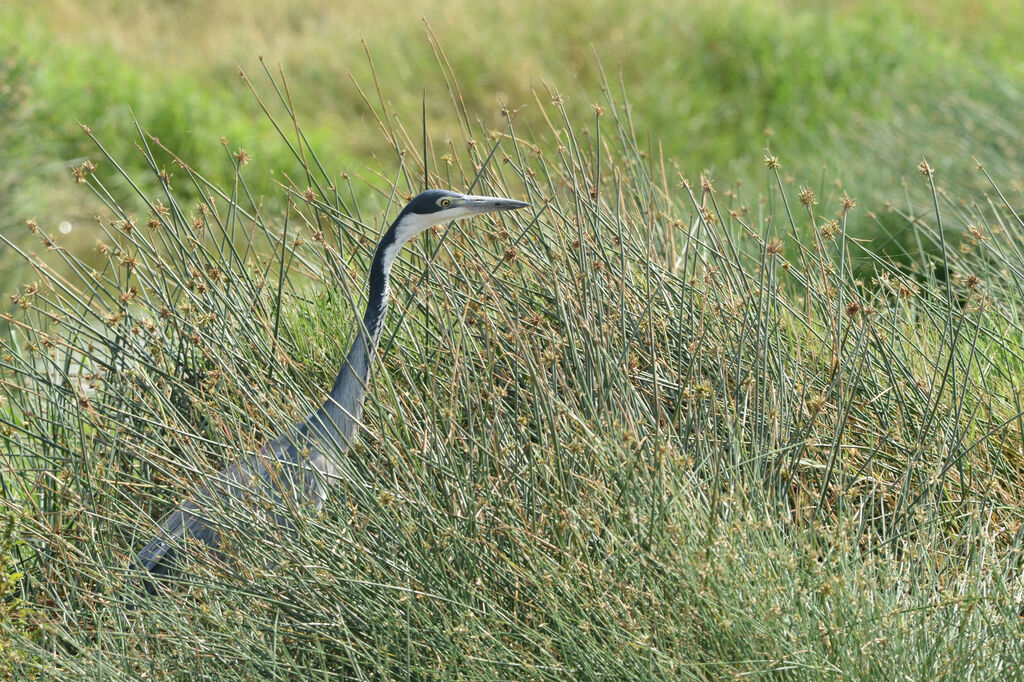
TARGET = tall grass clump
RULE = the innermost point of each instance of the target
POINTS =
(658, 427)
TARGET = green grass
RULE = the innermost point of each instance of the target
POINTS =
(854, 93)
(649, 429)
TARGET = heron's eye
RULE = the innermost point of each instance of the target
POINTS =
(445, 203)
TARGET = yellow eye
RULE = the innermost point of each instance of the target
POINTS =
(445, 203)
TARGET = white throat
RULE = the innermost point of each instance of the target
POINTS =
(414, 223)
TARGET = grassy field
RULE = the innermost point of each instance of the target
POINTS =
(852, 92)
(739, 396)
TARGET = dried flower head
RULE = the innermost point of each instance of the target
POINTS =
(807, 196)
(847, 202)
(128, 260)
(830, 228)
(510, 112)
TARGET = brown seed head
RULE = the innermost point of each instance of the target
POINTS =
(847, 202)
(830, 229)
(509, 113)
(807, 196)
(81, 172)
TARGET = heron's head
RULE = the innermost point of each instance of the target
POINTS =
(438, 206)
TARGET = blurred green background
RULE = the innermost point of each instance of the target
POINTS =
(851, 93)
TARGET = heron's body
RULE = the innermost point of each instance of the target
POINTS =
(296, 468)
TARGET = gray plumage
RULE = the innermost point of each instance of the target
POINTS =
(295, 470)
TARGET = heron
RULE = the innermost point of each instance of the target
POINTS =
(299, 465)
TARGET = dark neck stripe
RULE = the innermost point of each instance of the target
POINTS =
(377, 301)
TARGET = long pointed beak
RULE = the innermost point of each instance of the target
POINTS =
(478, 204)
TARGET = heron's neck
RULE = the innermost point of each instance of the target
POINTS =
(379, 291)
(344, 405)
